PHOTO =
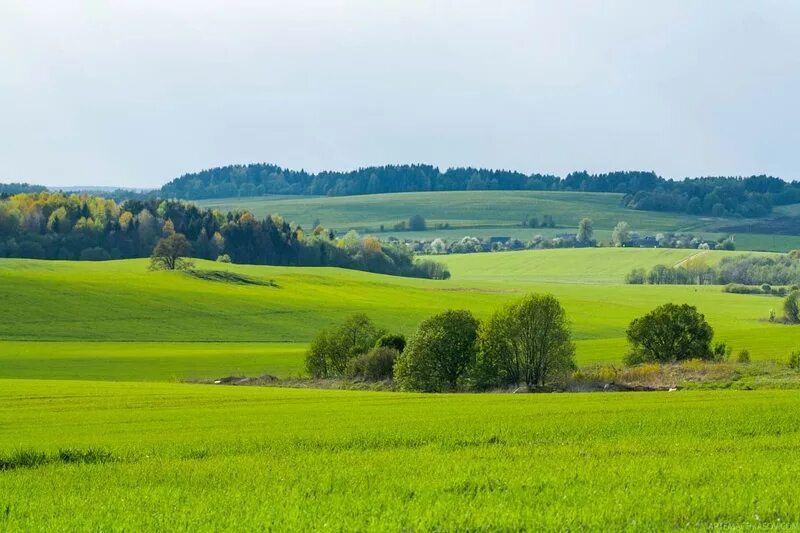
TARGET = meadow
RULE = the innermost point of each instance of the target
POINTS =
(99, 431)
(491, 213)
(201, 457)
(114, 320)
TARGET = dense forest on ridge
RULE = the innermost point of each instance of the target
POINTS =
(719, 196)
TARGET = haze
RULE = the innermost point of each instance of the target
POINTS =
(136, 93)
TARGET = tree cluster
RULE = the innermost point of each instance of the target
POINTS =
(528, 342)
(59, 226)
(754, 270)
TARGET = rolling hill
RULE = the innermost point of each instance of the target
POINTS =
(115, 320)
(487, 213)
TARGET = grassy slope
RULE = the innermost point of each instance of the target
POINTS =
(115, 320)
(210, 458)
(486, 213)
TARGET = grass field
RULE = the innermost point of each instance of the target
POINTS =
(489, 213)
(97, 434)
(114, 320)
(193, 457)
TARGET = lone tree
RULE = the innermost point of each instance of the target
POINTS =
(669, 333)
(527, 342)
(621, 234)
(585, 230)
(331, 351)
(439, 354)
(171, 253)
(791, 307)
(417, 223)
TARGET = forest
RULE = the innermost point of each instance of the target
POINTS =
(752, 196)
(60, 226)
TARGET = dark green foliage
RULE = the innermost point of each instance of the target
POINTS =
(17, 188)
(392, 340)
(375, 365)
(794, 360)
(669, 333)
(719, 196)
(417, 223)
(791, 308)
(527, 342)
(439, 354)
(331, 351)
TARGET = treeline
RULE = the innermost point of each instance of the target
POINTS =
(59, 226)
(752, 270)
(718, 196)
(7, 189)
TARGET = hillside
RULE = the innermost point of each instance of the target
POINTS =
(753, 196)
(115, 320)
(488, 213)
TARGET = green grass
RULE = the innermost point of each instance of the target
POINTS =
(114, 320)
(492, 213)
(196, 458)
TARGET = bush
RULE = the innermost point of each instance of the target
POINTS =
(375, 365)
(392, 340)
(636, 276)
(794, 360)
(743, 357)
(669, 333)
(439, 354)
(224, 258)
(721, 352)
(791, 307)
(331, 351)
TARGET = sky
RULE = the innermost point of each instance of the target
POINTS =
(137, 93)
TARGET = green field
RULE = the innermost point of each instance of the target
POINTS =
(195, 457)
(114, 320)
(98, 433)
(493, 213)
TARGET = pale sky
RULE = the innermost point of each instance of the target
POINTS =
(136, 93)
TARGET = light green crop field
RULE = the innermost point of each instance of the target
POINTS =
(115, 320)
(201, 458)
(492, 213)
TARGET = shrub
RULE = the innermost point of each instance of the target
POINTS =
(721, 352)
(743, 356)
(636, 276)
(375, 365)
(224, 258)
(331, 351)
(791, 307)
(439, 354)
(794, 360)
(392, 340)
(766, 288)
(669, 333)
